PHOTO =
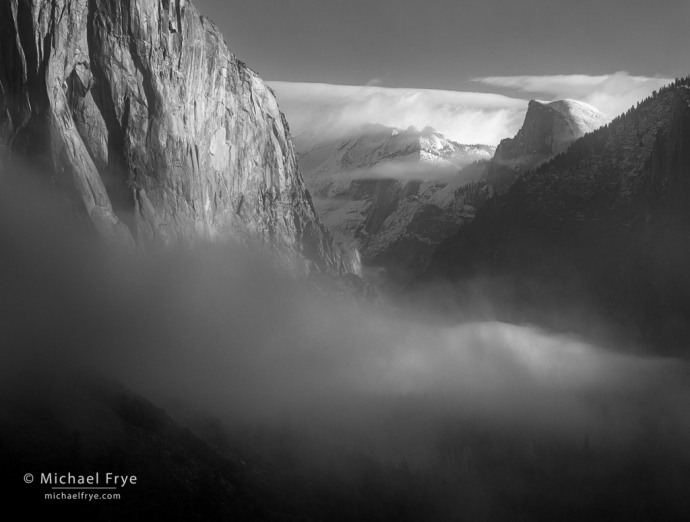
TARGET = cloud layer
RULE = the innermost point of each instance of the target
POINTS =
(612, 94)
(329, 111)
(332, 110)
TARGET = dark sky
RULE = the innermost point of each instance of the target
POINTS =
(443, 44)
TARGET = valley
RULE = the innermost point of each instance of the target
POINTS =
(412, 271)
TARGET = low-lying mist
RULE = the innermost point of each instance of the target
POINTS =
(441, 172)
(218, 328)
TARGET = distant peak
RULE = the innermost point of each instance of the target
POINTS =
(572, 105)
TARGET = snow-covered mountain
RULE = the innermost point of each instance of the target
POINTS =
(395, 194)
(392, 193)
(549, 129)
(377, 151)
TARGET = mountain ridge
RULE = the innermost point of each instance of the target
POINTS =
(600, 227)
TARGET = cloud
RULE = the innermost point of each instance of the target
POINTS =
(612, 94)
(577, 84)
(408, 170)
(317, 111)
(465, 117)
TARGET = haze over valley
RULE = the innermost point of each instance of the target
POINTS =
(380, 271)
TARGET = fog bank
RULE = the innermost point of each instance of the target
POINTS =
(216, 326)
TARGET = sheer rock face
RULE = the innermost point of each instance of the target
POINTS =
(153, 128)
(548, 130)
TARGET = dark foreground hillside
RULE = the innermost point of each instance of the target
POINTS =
(250, 472)
(601, 233)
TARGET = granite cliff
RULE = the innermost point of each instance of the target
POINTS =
(153, 130)
(548, 130)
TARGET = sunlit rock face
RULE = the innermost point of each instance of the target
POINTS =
(549, 129)
(151, 127)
